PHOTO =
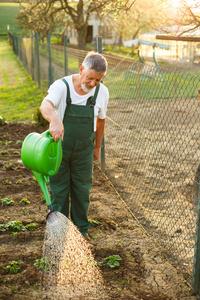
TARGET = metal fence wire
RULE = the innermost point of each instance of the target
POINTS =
(152, 145)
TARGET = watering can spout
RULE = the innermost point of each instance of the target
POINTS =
(42, 180)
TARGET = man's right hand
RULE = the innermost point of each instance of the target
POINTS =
(56, 127)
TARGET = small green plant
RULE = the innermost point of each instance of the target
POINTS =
(7, 201)
(95, 222)
(43, 264)
(2, 227)
(5, 142)
(13, 288)
(3, 152)
(13, 267)
(2, 121)
(15, 226)
(38, 118)
(10, 166)
(25, 201)
(16, 152)
(43, 198)
(36, 286)
(20, 180)
(31, 226)
(111, 261)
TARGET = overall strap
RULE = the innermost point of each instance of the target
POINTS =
(69, 101)
(92, 100)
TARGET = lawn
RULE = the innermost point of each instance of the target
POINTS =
(8, 14)
(19, 95)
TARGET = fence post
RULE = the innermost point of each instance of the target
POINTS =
(196, 265)
(99, 49)
(66, 57)
(32, 57)
(37, 59)
(50, 77)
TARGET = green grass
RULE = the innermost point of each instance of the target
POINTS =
(8, 14)
(19, 95)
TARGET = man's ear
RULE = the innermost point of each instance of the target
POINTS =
(81, 69)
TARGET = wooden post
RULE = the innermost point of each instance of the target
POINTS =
(196, 265)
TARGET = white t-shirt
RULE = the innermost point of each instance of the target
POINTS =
(57, 94)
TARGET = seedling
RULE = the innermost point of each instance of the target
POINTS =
(111, 261)
(6, 142)
(3, 152)
(15, 226)
(16, 152)
(43, 264)
(20, 180)
(43, 198)
(36, 286)
(9, 166)
(25, 201)
(13, 267)
(2, 227)
(95, 222)
(31, 226)
(7, 201)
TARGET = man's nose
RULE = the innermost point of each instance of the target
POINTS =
(93, 82)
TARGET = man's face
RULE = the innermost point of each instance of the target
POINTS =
(89, 79)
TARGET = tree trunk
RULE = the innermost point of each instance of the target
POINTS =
(82, 31)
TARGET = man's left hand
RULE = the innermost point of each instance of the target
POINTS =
(96, 153)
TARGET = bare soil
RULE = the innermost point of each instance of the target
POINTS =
(144, 273)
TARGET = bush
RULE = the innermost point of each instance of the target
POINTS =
(38, 118)
(2, 121)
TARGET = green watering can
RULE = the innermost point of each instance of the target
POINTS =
(43, 156)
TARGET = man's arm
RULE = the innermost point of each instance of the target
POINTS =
(99, 135)
(56, 127)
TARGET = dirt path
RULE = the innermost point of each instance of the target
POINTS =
(143, 272)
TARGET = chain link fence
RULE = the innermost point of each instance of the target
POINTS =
(152, 151)
(152, 145)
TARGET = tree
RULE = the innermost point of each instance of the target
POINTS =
(31, 18)
(36, 11)
(184, 14)
(143, 16)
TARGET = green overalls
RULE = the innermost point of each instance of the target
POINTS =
(74, 176)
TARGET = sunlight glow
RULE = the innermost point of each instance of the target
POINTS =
(192, 3)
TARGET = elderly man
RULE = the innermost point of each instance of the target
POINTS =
(76, 107)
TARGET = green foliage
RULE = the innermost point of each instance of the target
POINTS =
(9, 166)
(31, 226)
(13, 267)
(15, 226)
(7, 201)
(111, 261)
(94, 222)
(43, 264)
(3, 152)
(25, 201)
(2, 121)
(5, 142)
(38, 118)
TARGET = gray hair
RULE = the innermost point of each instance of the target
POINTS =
(96, 62)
